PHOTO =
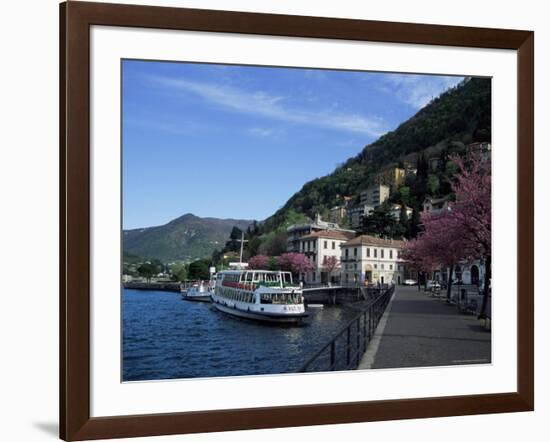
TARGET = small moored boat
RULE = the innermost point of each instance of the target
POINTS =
(200, 291)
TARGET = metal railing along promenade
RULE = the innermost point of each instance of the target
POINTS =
(345, 350)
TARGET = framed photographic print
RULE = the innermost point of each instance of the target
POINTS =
(272, 220)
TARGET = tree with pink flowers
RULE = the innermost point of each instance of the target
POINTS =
(445, 241)
(464, 230)
(330, 264)
(418, 253)
(258, 262)
(295, 262)
(472, 211)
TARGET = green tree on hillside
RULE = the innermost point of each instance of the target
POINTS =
(179, 272)
(405, 195)
(432, 184)
(147, 270)
(199, 269)
(415, 226)
(234, 244)
(381, 222)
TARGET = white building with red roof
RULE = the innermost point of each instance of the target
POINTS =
(323, 248)
(296, 231)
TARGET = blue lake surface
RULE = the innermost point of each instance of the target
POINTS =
(165, 337)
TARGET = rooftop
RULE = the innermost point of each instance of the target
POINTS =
(435, 200)
(318, 223)
(368, 240)
(375, 187)
(398, 207)
(331, 234)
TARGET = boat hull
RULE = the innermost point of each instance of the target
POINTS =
(197, 298)
(264, 317)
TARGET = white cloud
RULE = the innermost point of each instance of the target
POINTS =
(418, 90)
(261, 131)
(270, 106)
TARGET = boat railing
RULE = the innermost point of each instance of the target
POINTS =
(345, 350)
(193, 283)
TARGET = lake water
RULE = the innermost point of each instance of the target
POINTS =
(165, 337)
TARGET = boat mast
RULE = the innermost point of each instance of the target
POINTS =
(242, 240)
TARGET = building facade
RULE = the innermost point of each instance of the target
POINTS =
(337, 214)
(375, 195)
(323, 248)
(391, 176)
(435, 205)
(467, 273)
(396, 211)
(370, 260)
(296, 231)
(483, 148)
(357, 214)
(435, 163)
(410, 168)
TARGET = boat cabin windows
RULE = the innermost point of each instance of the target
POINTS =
(232, 277)
(258, 277)
(287, 278)
(268, 278)
(271, 277)
(281, 298)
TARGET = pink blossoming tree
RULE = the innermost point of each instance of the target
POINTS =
(464, 230)
(445, 240)
(472, 212)
(258, 262)
(330, 264)
(419, 255)
(296, 263)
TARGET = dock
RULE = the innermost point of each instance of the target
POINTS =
(339, 294)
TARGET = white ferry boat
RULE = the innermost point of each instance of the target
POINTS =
(200, 291)
(259, 294)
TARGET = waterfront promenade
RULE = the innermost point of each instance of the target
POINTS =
(419, 331)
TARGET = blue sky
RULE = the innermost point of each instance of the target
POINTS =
(238, 141)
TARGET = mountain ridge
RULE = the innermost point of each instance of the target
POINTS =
(185, 238)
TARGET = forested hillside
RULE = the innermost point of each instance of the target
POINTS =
(456, 118)
(186, 238)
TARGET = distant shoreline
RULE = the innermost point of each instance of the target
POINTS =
(160, 286)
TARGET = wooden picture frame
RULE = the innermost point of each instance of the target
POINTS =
(75, 21)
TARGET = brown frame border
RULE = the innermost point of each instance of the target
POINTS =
(75, 21)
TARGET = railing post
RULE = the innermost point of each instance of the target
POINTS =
(364, 331)
(348, 346)
(374, 311)
(371, 321)
(358, 340)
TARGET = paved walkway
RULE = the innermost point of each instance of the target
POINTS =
(419, 331)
